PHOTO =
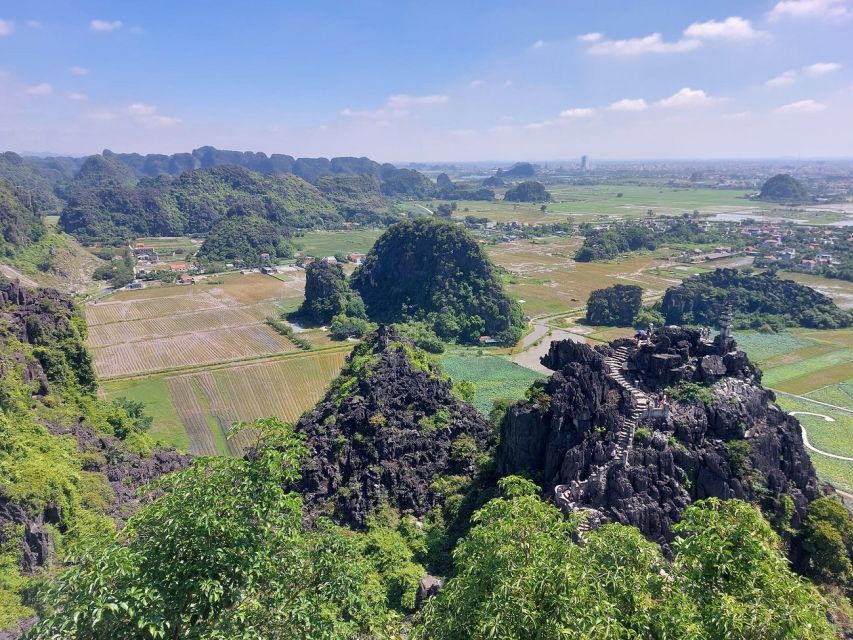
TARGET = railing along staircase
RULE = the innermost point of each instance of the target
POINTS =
(568, 496)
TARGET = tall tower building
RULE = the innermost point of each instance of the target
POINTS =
(584, 163)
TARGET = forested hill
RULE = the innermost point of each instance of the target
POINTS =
(436, 272)
(761, 301)
(20, 222)
(111, 211)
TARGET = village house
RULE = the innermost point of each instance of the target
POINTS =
(178, 267)
(145, 254)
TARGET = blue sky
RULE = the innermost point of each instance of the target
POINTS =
(402, 80)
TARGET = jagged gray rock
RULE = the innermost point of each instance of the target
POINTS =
(386, 431)
(689, 449)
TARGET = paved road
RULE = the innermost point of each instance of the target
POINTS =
(806, 437)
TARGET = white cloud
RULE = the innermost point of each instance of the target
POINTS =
(34, 24)
(801, 107)
(821, 68)
(629, 104)
(594, 36)
(653, 43)
(788, 77)
(475, 83)
(7, 27)
(402, 101)
(43, 89)
(538, 44)
(79, 71)
(687, 98)
(77, 97)
(104, 26)
(808, 9)
(733, 28)
(397, 106)
(580, 112)
(146, 114)
(534, 126)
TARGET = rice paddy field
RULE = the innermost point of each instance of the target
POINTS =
(596, 202)
(544, 275)
(494, 376)
(174, 327)
(812, 371)
(195, 411)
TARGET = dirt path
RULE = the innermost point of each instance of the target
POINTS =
(14, 274)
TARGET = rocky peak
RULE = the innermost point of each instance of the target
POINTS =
(388, 430)
(633, 433)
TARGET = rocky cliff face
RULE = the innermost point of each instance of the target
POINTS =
(704, 427)
(388, 430)
(42, 358)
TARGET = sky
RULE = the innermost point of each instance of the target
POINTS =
(440, 81)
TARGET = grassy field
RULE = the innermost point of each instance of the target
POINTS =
(195, 411)
(175, 248)
(590, 203)
(328, 243)
(816, 367)
(544, 275)
(495, 376)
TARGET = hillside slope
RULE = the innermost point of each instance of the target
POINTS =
(389, 431)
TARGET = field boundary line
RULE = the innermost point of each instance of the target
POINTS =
(287, 355)
(823, 404)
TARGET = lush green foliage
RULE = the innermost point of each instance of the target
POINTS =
(243, 239)
(286, 330)
(327, 294)
(20, 222)
(783, 187)
(193, 203)
(435, 272)
(520, 575)
(617, 305)
(610, 242)
(344, 326)
(407, 183)
(39, 470)
(827, 539)
(527, 191)
(222, 553)
(757, 301)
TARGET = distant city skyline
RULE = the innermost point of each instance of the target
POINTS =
(549, 81)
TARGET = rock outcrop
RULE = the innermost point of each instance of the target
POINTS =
(389, 430)
(710, 429)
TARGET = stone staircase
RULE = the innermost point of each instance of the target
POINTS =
(567, 496)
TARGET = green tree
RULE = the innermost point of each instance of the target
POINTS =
(827, 539)
(222, 553)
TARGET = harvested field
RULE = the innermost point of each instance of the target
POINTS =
(545, 276)
(173, 327)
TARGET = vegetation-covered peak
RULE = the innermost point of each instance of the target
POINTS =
(528, 191)
(435, 271)
(783, 187)
(391, 428)
(759, 301)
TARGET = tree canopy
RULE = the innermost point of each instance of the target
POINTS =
(520, 575)
(759, 301)
(245, 238)
(617, 305)
(435, 271)
(783, 187)
(528, 191)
